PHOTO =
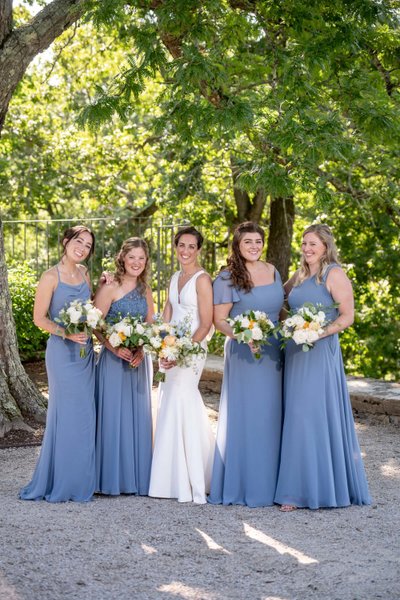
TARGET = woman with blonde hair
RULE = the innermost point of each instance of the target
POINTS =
(321, 464)
(123, 393)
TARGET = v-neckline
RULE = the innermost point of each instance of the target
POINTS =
(185, 284)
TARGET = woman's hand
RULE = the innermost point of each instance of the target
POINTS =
(78, 338)
(138, 357)
(167, 364)
(106, 278)
(123, 353)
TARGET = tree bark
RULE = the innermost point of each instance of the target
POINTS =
(280, 234)
(19, 398)
(19, 46)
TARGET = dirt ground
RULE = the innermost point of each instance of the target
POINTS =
(137, 547)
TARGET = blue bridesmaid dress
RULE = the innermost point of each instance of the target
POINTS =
(124, 421)
(66, 466)
(250, 415)
(321, 464)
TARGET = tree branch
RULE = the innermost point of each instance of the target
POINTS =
(21, 45)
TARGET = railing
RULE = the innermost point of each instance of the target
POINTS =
(39, 243)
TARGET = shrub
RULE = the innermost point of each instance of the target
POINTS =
(22, 282)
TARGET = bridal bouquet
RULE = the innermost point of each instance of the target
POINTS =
(304, 325)
(130, 332)
(79, 317)
(173, 342)
(253, 326)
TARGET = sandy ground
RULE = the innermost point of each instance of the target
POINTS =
(136, 547)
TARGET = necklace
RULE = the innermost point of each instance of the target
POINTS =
(72, 275)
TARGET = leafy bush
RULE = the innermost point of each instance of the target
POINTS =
(31, 340)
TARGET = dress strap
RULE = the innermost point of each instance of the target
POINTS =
(58, 274)
(328, 269)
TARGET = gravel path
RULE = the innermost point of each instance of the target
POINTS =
(134, 547)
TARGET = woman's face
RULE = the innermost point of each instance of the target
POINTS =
(135, 262)
(187, 250)
(251, 246)
(313, 249)
(79, 247)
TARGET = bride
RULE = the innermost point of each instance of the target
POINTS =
(184, 444)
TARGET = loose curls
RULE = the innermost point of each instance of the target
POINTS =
(236, 263)
(330, 256)
(127, 246)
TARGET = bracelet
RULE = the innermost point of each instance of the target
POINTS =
(60, 332)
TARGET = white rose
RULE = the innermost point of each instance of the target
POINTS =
(320, 317)
(114, 340)
(298, 320)
(300, 336)
(74, 314)
(140, 329)
(245, 322)
(257, 334)
(88, 306)
(312, 336)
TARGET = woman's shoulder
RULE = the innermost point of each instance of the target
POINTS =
(224, 275)
(50, 276)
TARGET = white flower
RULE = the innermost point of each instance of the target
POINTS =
(320, 317)
(155, 342)
(259, 315)
(140, 329)
(74, 314)
(298, 320)
(124, 328)
(114, 340)
(300, 336)
(256, 333)
(245, 322)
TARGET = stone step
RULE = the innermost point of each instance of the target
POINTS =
(368, 396)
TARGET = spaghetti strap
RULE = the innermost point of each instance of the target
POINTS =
(328, 269)
(58, 274)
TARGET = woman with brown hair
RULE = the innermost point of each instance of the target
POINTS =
(321, 464)
(123, 393)
(249, 425)
(66, 468)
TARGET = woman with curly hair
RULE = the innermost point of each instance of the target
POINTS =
(249, 428)
(123, 393)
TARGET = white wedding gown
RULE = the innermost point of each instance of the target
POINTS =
(184, 443)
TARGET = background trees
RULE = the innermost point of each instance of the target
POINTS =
(217, 112)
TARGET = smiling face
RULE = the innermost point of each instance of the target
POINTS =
(251, 246)
(78, 248)
(313, 249)
(187, 250)
(135, 262)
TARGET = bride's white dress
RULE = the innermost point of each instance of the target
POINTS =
(184, 443)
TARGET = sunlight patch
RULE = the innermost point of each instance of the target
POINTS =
(259, 536)
(391, 469)
(211, 544)
(148, 549)
(176, 588)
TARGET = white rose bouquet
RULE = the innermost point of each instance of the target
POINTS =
(173, 342)
(79, 317)
(304, 325)
(130, 332)
(255, 327)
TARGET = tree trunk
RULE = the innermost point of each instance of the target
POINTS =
(19, 398)
(280, 234)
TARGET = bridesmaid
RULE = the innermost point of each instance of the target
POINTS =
(123, 381)
(321, 464)
(66, 468)
(249, 427)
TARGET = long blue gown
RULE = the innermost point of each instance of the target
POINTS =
(66, 467)
(321, 464)
(250, 415)
(124, 422)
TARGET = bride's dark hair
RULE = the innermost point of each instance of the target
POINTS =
(236, 263)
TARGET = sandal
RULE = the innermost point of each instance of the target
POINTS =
(287, 508)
